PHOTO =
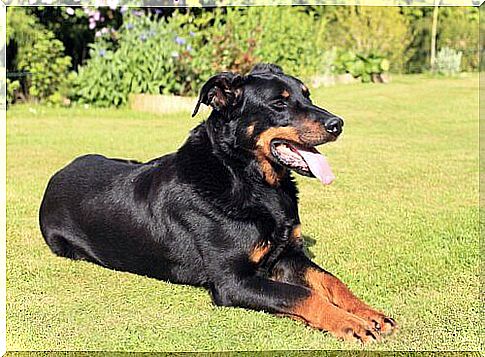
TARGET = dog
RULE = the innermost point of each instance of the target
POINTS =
(222, 211)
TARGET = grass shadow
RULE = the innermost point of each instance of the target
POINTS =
(309, 242)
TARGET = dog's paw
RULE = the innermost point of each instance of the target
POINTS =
(354, 328)
(383, 324)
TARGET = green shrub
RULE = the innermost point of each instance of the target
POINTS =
(284, 38)
(370, 30)
(150, 57)
(176, 55)
(22, 28)
(448, 61)
(458, 29)
(12, 88)
(360, 66)
(226, 40)
(39, 53)
(46, 64)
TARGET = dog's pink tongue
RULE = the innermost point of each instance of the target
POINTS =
(318, 165)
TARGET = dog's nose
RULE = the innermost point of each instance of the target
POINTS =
(334, 126)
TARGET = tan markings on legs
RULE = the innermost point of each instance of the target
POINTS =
(318, 312)
(340, 295)
(259, 251)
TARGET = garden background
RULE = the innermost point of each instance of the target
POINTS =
(405, 199)
(97, 56)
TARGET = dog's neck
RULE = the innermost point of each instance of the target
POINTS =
(238, 155)
(218, 169)
(216, 139)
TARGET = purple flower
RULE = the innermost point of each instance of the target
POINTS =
(97, 34)
(189, 48)
(92, 25)
(123, 9)
(180, 40)
(143, 37)
(137, 13)
(157, 11)
(97, 15)
(102, 52)
(129, 26)
(70, 11)
(191, 33)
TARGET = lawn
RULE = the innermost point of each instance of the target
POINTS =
(399, 226)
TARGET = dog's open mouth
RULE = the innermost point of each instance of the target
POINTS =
(306, 161)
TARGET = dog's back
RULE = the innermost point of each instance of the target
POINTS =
(65, 197)
(95, 209)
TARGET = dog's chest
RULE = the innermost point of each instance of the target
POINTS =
(266, 250)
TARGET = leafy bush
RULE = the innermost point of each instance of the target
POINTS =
(177, 54)
(360, 66)
(458, 29)
(39, 53)
(22, 28)
(12, 88)
(46, 64)
(448, 61)
(284, 38)
(369, 30)
(150, 57)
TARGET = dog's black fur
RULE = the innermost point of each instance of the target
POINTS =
(220, 213)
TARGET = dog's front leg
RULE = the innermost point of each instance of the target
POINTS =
(295, 301)
(296, 268)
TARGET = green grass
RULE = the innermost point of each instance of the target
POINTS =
(399, 226)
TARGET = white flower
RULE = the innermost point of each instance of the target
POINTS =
(70, 11)
(113, 4)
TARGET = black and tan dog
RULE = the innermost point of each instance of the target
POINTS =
(222, 211)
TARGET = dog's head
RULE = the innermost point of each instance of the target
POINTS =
(271, 114)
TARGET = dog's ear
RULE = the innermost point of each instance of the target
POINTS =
(220, 91)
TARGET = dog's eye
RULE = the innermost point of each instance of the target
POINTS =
(279, 103)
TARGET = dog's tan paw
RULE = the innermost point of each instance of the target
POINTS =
(383, 324)
(356, 329)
